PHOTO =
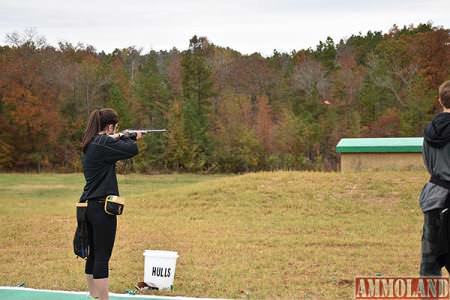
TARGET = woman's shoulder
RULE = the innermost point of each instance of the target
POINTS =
(102, 139)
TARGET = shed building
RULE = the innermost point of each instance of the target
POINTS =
(379, 154)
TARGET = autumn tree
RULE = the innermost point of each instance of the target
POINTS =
(237, 146)
(264, 127)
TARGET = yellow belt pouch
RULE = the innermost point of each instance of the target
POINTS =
(114, 205)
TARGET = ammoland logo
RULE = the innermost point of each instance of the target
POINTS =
(424, 288)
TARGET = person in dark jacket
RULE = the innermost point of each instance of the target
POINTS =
(102, 148)
(433, 198)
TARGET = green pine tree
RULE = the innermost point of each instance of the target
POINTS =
(118, 103)
(197, 92)
(153, 91)
(177, 149)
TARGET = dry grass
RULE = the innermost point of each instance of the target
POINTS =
(282, 235)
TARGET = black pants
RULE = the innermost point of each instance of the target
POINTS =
(102, 232)
(429, 266)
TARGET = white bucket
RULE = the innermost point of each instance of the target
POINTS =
(159, 268)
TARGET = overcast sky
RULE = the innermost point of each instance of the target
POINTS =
(244, 25)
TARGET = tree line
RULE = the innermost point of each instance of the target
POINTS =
(224, 111)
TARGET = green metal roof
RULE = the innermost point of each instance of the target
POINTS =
(377, 145)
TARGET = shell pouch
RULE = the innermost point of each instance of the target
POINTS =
(114, 205)
(81, 237)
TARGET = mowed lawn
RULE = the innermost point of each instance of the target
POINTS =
(269, 235)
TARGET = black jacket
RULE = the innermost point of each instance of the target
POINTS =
(436, 156)
(437, 132)
(435, 194)
(99, 165)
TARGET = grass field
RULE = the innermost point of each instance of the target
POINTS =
(281, 235)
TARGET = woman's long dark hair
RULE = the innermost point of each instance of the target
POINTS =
(97, 121)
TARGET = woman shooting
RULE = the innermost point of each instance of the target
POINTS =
(102, 148)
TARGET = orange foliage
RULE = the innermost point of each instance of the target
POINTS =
(264, 123)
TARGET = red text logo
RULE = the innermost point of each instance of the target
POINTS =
(423, 288)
